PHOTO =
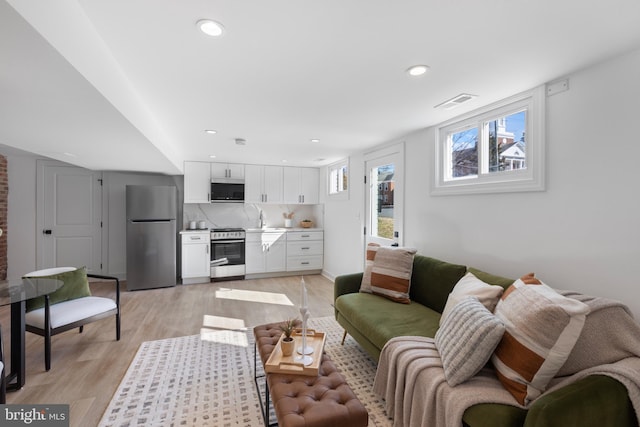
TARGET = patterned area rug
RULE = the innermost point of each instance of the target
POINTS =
(207, 380)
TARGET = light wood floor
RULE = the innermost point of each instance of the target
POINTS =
(87, 368)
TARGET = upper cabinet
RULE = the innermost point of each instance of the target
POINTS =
(197, 182)
(301, 185)
(227, 171)
(263, 184)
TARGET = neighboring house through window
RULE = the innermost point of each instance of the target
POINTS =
(495, 149)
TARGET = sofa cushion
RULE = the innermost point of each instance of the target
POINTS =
(391, 273)
(379, 319)
(467, 338)
(470, 285)
(432, 281)
(372, 249)
(542, 327)
(76, 285)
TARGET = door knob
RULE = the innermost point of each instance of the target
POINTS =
(46, 231)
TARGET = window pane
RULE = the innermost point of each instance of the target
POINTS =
(464, 153)
(338, 179)
(507, 149)
(382, 211)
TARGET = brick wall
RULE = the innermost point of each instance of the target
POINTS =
(4, 195)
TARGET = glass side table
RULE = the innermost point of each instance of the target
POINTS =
(16, 293)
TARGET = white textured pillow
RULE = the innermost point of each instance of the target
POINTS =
(470, 285)
(466, 339)
(542, 327)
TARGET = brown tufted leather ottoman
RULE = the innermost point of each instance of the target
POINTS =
(302, 400)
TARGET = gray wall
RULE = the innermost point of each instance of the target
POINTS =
(21, 235)
(582, 233)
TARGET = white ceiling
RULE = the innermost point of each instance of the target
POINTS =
(131, 85)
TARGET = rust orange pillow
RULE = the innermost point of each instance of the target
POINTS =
(542, 327)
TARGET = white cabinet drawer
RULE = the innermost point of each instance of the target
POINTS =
(313, 247)
(304, 235)
(193, 238)
(300, 263)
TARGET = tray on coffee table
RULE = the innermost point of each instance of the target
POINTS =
(278, 363)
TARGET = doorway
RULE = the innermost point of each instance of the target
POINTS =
(69, 217)
(384, 196)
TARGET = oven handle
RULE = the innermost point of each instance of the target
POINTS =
(227, 241)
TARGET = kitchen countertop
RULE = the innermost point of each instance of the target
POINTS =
(274, 229)
(196, 230)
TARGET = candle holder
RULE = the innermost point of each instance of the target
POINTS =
(304, 350)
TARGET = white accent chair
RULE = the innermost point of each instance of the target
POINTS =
(55, 318)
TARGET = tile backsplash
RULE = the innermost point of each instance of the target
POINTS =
(247, 215)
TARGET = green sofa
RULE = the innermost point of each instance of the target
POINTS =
(372, 320)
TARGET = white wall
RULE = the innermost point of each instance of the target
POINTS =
(582, 233)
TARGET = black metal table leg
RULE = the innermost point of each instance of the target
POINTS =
(15, 379)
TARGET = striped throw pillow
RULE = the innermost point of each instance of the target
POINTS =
(542, 327)
(372, 249)
(391, 273)
(466, 340)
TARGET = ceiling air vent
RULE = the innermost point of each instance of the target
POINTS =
(455, 101)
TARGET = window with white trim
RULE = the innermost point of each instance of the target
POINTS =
(338, 174)
(499, 148)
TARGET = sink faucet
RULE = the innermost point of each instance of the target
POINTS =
(262, 219)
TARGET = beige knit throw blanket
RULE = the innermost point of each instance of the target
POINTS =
(411, 380)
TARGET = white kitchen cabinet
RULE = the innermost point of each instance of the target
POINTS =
(265, 252)
(227, 171)
(305, 250)
(301, 185)
(263, 184)
(197, 182)
(196, 259)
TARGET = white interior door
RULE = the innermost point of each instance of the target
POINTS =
(384, 196)
(69, 210)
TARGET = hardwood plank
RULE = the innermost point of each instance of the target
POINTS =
(87, 367)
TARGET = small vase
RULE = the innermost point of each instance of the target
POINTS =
(287, 223)
(287, 346)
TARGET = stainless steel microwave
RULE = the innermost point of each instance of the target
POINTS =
(228, 192)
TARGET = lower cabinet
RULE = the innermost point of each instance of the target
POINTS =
(305, 250)
(283, 251)
(196, 261)
(265, 252)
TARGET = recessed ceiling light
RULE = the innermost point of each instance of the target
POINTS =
(69, 154)
(315, 140)
(417, 70)
(211, 131)
(212, 156)
(210, 28)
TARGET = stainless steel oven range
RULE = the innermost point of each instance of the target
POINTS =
(227, 254)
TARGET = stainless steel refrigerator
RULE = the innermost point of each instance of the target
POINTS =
(151, 236)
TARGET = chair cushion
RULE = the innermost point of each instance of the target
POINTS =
(76, 285)
(70, 311)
